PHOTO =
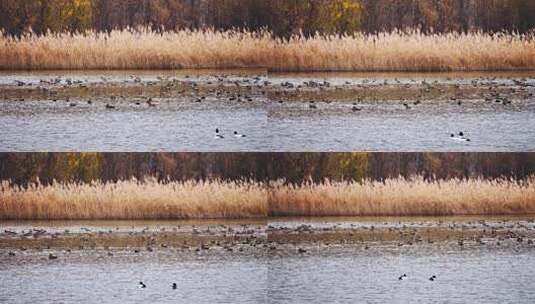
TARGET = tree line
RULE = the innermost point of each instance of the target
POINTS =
(282, 17)
(24, 168)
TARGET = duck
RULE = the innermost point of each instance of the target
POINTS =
(142, 285)
(109, 106)
(236, 134)
(403, 277)
(434, 277)
(174, 286)
(150, 103)
(218, 135)
(460, 137)
(356, 109)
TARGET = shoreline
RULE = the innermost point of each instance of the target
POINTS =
(272, 236)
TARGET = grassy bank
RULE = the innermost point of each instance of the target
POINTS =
(181, 200)
(404, 197)
(212, 49)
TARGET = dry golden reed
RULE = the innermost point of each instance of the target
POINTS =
(217, 199)
(133, 200)
(404, 197)
(143, 49)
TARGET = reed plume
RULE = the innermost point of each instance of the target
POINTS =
(150, 199)
(404, 197)
(144, 49)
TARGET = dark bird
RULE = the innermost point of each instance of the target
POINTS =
(142, 285)
(433, 278)
(403, 277)
(174, 286)
(109, 106)
(150, 103)
(460, 137)
(218, 135)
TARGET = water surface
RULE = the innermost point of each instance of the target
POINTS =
(494, 263)
(496, 111)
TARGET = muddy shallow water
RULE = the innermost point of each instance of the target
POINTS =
(280, 260)
(111, 111)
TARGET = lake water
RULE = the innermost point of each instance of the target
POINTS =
(179, 123)
(500, 269)
(342, 275)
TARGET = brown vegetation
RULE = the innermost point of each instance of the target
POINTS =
(404, 197)
(133, 200)
(151, 199)
(397, 51)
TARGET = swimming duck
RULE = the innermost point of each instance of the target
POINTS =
(109, 106)
(236, 134)
(218, 135)
(460, 137)
(142, 285)
(174, 286)
(403, 277)
(434, 277)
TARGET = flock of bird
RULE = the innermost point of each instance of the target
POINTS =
(261, 82)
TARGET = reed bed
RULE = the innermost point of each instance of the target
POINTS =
(150, 199)
(144, 49)
(404, 197)
(133, 200)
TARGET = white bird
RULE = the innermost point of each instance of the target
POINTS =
(236, 134)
